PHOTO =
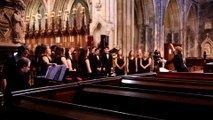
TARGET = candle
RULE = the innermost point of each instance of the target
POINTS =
(66, 15)
(58, 40)
(208, 25)
(46, 15)
(27, 18)
(33, 17)
(39, 16)
(67, 11)
(82, 9)
(74, 11)
(59, 13)
(53, 14)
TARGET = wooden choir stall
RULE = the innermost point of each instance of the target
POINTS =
(68, 28)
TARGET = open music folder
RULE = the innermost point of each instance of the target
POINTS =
(55, 72)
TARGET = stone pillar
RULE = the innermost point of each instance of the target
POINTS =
(172, 35)
(119, 22)
(107, 10)
(132, 25)
(116, 24)
(146, 27)
(128, 27)
(124, 37)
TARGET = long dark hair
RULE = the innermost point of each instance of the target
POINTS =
(67, 55)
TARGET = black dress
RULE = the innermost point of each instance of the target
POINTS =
(131, 66)
(144, 63)
(42, 66)
(120, 62)
(83, 68)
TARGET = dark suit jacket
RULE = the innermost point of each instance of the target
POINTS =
(107, 63)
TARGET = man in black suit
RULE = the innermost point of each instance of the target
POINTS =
(97, 63)
(107, 62)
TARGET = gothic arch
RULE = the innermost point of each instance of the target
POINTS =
(100, 26)
(150, 21)
(172, 22)
(81, 3)
(144, 24)
(191, 30)
(32, 9)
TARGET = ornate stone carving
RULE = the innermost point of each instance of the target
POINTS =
(12, 21)
(207, 46)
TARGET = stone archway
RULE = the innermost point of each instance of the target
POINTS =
(144, 24)
(207, 46)
(190, 43)
(172, 23)
(100, 27)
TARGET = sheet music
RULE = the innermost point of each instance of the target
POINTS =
(55, 72)
(163, 69)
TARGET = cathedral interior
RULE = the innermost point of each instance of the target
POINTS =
(127, 25)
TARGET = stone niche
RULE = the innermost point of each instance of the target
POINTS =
(207, 45)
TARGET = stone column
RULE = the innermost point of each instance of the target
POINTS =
(124, 37)
(116, 24)
(132, 25)
(128, 27)
(119, 22)
(146, 28)
(107, 10)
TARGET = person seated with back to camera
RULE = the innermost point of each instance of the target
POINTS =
(20, 80)
(9, 70)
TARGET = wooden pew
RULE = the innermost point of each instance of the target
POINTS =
(57, 110)
(197, 86)
(160, 104)
(186, 75)
(56, 103)
(110, 102)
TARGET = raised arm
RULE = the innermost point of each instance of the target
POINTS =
(172, 46)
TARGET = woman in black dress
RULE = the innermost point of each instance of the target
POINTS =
(44, 60)
(84, 63)
(120, 63)
(131, 63)
(146, 63)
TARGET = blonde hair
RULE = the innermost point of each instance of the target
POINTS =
(178, 49)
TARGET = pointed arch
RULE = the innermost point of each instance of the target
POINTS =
(172, 22)
(150, 21)
(77, 4)
(99, 26)
(33, 9)
(139, 22)
(144, 24)
(191, 30)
